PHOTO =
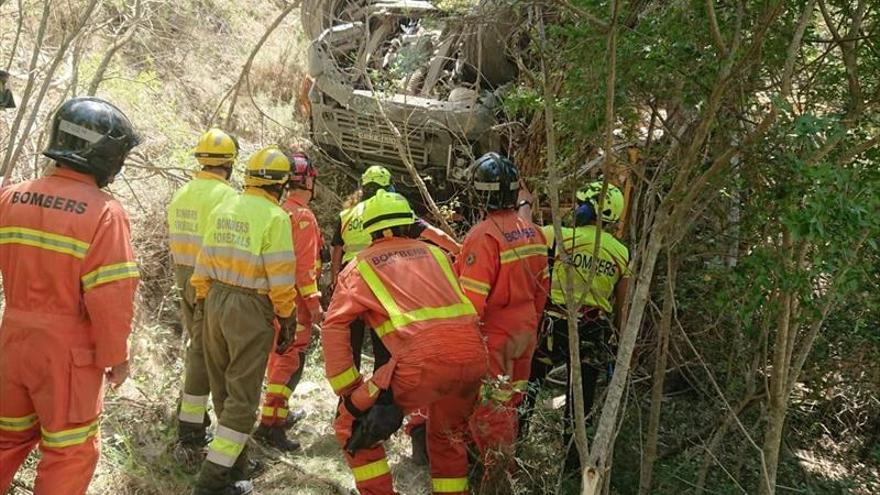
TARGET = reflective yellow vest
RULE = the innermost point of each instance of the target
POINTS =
(248, 244)
(613, 258)
(354, 239)
(187, 212)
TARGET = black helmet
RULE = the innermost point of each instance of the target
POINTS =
(92, 136)
(496, 182)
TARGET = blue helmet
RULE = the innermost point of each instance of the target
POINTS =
(495, 182)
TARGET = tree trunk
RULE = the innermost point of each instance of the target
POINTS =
(778, 393)
(659, 378)
(601, 452)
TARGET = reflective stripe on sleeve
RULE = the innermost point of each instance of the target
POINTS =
(274, 412)
(449, 485)
(71, 437)
(110, 273)
(343, 380)
(279, 389)
(475, 286)
(20, 423)
(522, 252)
(44, 240)
(308, 289)
(371, 470)
(193, 408)
(226, 446)
(282, 279)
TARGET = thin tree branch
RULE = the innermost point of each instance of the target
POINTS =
(246, 69)
(129, 33)
(713, 27)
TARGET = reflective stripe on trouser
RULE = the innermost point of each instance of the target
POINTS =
(448, 391)
(450, 485)
(284, 370)
(226, 446)
(494, 423)
(29, 409)
(193, 409)
(237, 340)
(195, 379)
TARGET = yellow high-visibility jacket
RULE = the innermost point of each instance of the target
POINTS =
(248, 244)
(354, 238)
(613, 261)
(188, 212)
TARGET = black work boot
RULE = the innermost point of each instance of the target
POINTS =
(193, 435)
(418, 436)
(275, 436)
(241, 487)
(192, 440)
(214, 479)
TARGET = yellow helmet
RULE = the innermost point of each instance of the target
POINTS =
(267, 167)
(376, 174)
(216, 149)
(612, 208)
(386, 210)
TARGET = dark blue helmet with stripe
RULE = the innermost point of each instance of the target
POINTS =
(495, 182)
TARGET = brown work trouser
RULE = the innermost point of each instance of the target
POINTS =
(237, 340)
(196, 388)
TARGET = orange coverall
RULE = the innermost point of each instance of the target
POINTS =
(69, 280)
(407, 291)
(502, 269)
(282, 367)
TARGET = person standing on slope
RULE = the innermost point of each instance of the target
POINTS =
(502, 269)
(593, 292)
(286, 369)
(69, 280)
(187, 221)
(244, 280)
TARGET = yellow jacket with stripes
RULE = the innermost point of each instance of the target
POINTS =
(248, 244)
(188, 212)
(611, 262)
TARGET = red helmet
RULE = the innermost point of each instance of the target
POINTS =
(302, 170)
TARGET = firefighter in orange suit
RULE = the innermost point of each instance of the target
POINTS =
(502, 269)
(69, 280)
(285, 370)
(407, 291)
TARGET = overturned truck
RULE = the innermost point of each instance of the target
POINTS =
(433, 75)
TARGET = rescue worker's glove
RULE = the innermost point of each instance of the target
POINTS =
(375, 425)
(286, 333)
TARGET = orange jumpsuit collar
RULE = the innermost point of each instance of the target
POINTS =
(67, 173)
(295, 201)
